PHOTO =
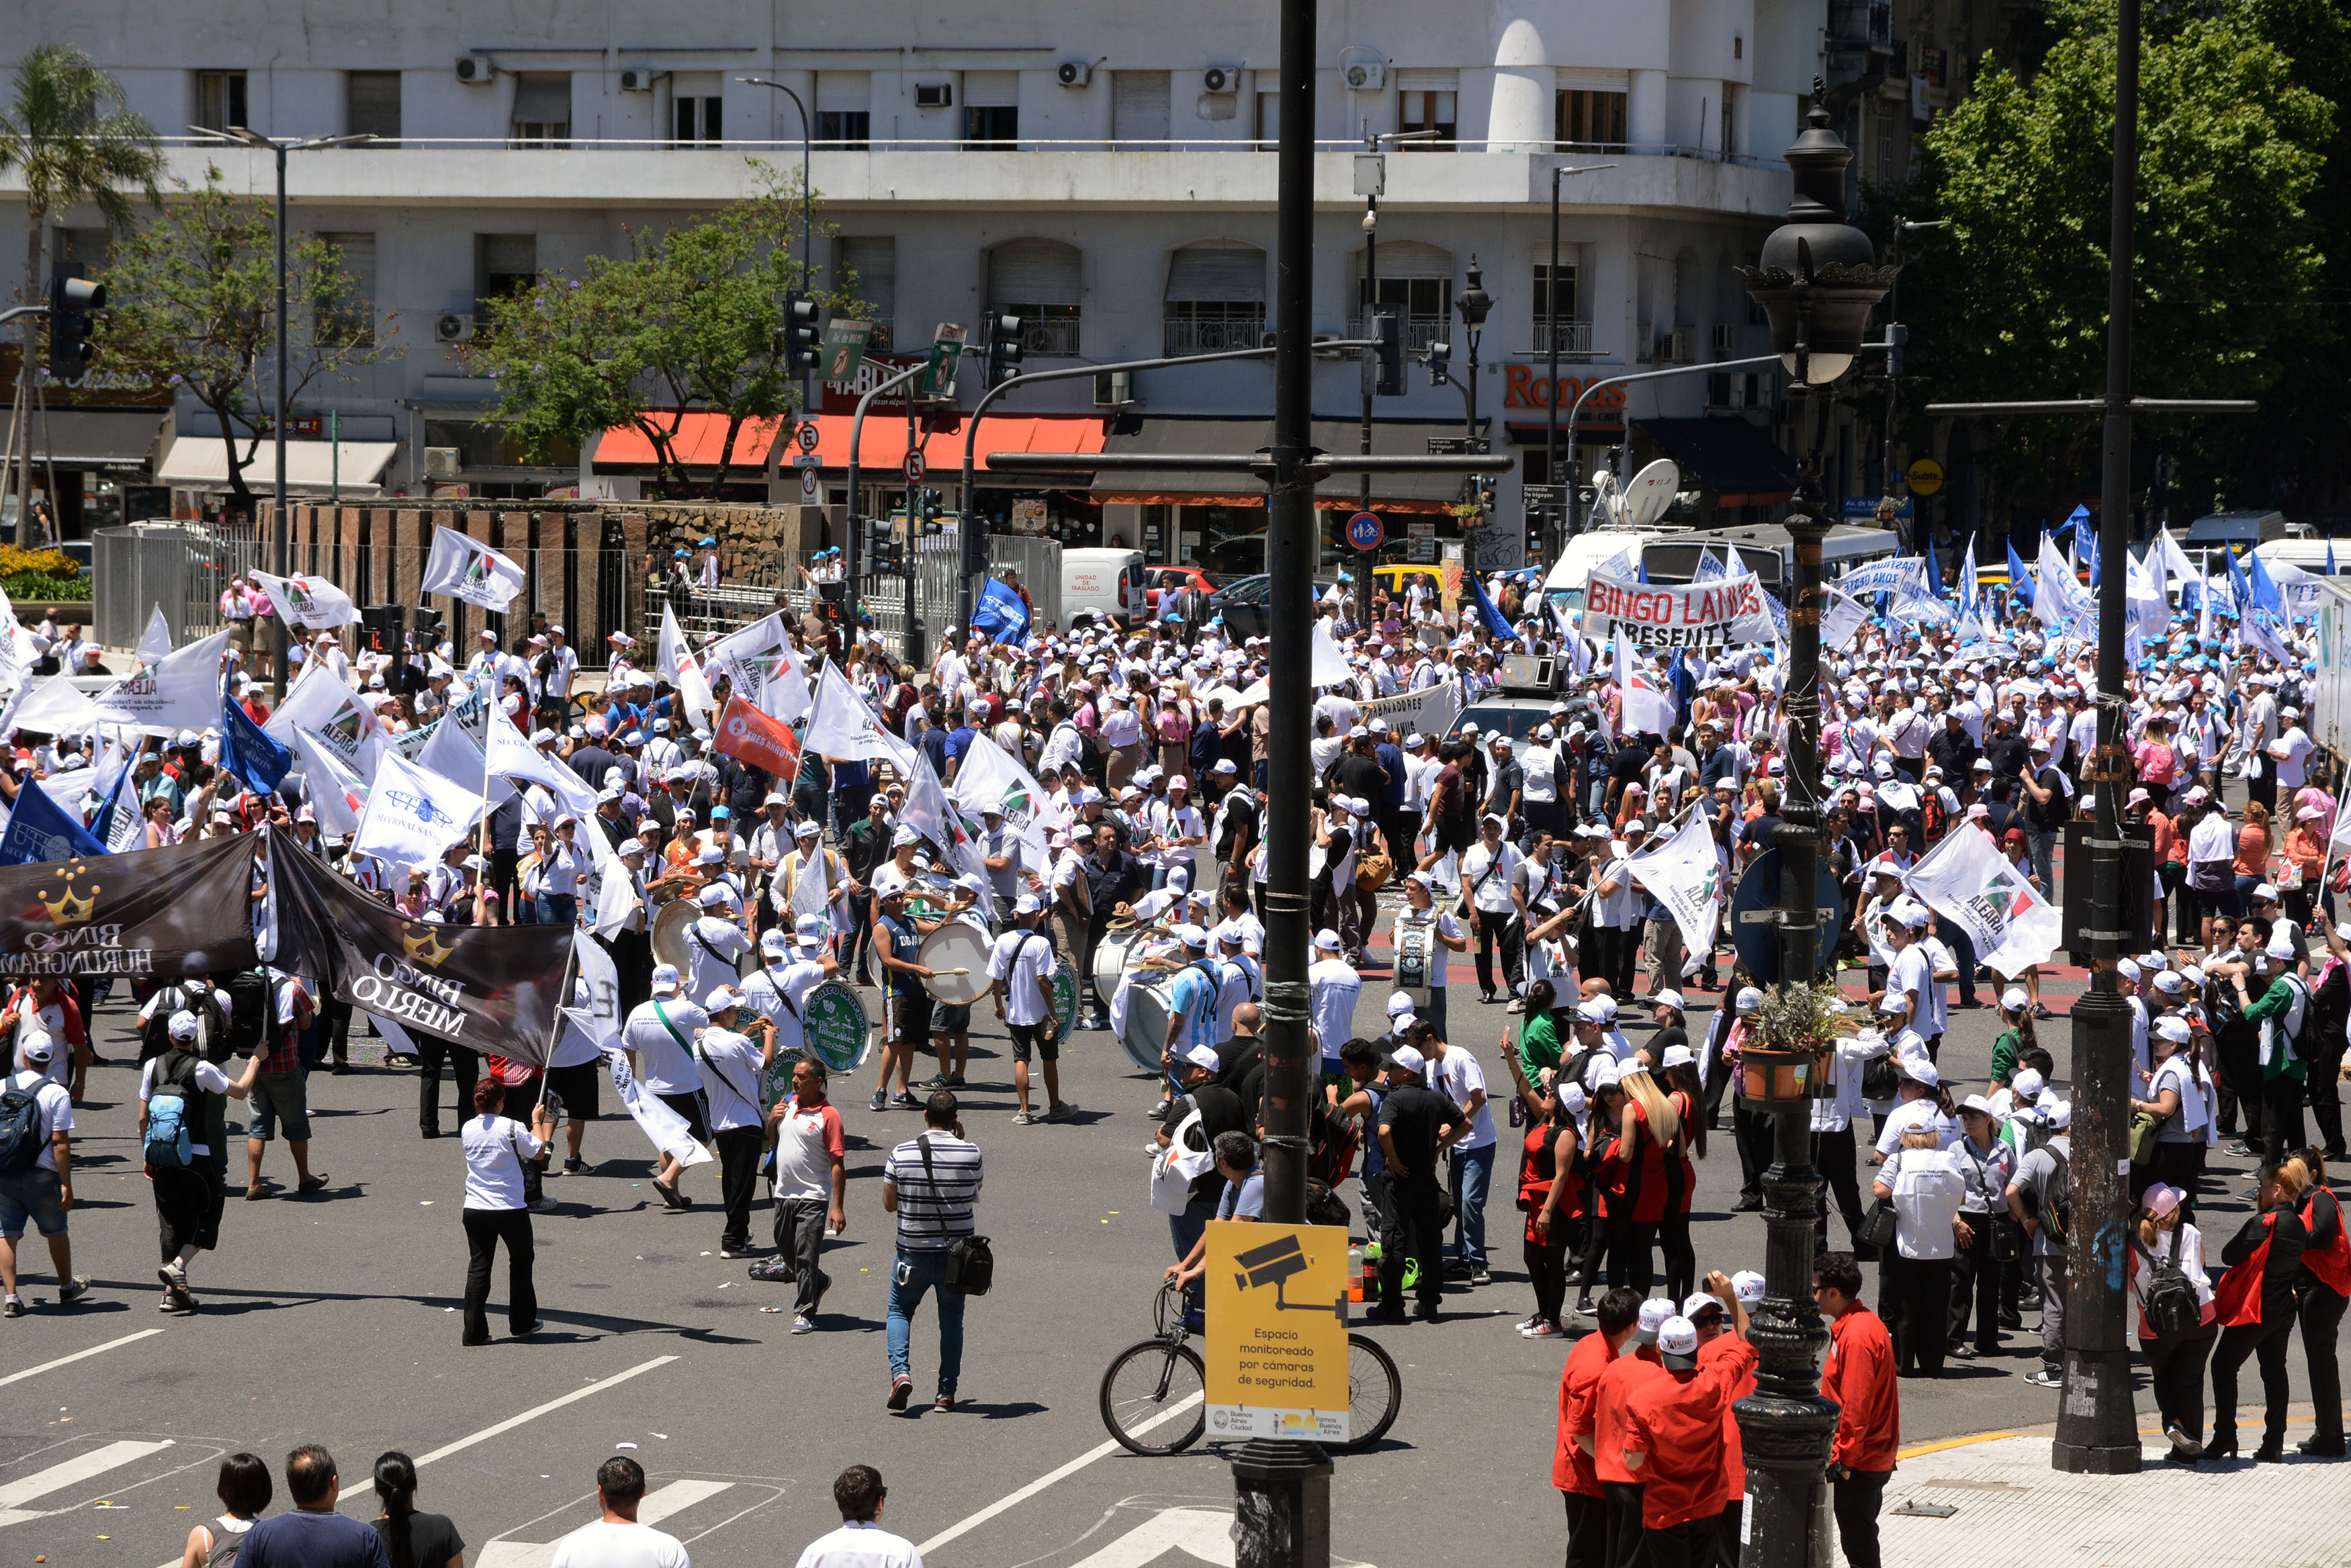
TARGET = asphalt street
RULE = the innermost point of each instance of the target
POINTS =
(332, 1318)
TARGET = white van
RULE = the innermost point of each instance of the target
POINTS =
(1563, 583)
(1098, 583)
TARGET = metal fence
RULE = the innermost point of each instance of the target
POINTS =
(181, 567)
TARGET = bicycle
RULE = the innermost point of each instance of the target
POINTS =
(1155, 1384)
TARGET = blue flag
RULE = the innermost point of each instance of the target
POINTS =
(248, 754)
(2264, 588)
(1486, 610)
(101, 826)
(2239, 589)
(2019, 581)
(38, 830)
(999, 614)
(2090, 552)
(1685, 683)
(2330, 557)
(1934, 572)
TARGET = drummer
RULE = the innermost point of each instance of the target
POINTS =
(907, 1002)
(808, 855)
(1191, 1007)
(795, 965)
(1444, 933)
(1243, 980)
(1158, 904)
(712, 942)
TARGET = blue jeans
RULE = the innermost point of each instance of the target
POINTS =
(1184, 1230)
(1473, 1174)
(916, 1273)
(555, 909)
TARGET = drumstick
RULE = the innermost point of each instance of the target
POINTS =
(943, 973)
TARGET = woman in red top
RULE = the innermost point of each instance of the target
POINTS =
(2326, 1275)
(1684, 1094)
(1649, 1179)
(1551, 1191)
(1604, 1178)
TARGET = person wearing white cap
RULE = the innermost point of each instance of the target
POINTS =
(180, 1094)
(2176, 1100)
(1021, 983)
(730, 1067)
(2165, 1239)
(714, 941)
(42, 1193)
(1332, 986)
(2281, 1014)
(659, 1038)
(1911, 975)
(1677, 1443)
(2040, 1200)
(1495, 919)
(1986, 1165)
(1924, 1183)
(792, 964)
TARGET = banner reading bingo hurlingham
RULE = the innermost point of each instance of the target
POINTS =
(1714, 614)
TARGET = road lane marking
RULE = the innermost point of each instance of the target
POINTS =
(80, 1468)
(533, 1414)
(973, 1521)
(78, 1355)
(658, 1504)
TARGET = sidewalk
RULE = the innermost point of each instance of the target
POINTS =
(2232, 1515)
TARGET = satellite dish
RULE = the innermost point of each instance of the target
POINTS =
(1651, 491)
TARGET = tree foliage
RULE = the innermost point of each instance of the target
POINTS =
(690, 319)
(2010, 301)
(191, 302)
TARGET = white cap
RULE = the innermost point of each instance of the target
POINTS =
(904, 836)
(1027, 904)
(809, 930)
(1668, 998)
(1201, 1054)
(665, 976)
(1399, 1005)
(1410, 1059)
(773, 942)
(2013, 1000)
(2172, 1028)
(1655, 1313)
(184, 1025)
(1749, 999)
(37, 1047)
(1919, 1070)
(720, 1000)
(1679, 1056)
(2059, 1115)
(1677, 1344)
(1747, 1285)
(1327, 939)
(2026, 1086)
(712, 895)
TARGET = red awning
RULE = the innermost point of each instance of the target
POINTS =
(701, 436)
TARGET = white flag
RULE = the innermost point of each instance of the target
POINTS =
(413, 815)
(309, 602)
(675, 661)
(930, 813)
(2172, 559)
(182, 692)
(321, 706)
(1840, 616)
(1647, 711)
(452, 752)
(465, 569)
(749, 658)
(1330, 666)
(338, 795)
(812, 886)
(54, 707)
(842, 727)
(156, 641)
(990, 778)
(511, 756)
(668, 1130)
(617, 897)
(596, 985)
(1966, 880)
(1685, 874)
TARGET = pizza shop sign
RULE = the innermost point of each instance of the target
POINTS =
(1523, 388)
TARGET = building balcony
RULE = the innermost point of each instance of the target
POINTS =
(1419, 331)
(1188, 335)
(1052, 336)
(1574, 339)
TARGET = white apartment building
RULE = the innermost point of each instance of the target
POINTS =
(1104, 170)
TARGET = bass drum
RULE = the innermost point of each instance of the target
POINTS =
(1110, 961)
(835, 1029)
(961, 945)
(1149, 1005)
(672, 921)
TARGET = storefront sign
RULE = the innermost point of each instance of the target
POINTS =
(841, 397)
(1525, 387)
(1714, 614)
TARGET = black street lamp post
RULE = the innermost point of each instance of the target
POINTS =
(1473, 303)
(1817, 281)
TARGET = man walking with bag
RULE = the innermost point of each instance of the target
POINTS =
(931, 1184)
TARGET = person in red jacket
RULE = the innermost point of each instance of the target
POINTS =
(1573, 1470)
(1859, 1374)
(2326, 1292)
(1720, 1314)
(1636, 1367)
(1674, 1436)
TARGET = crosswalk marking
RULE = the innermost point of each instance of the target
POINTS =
(535, 1411)
(658, 1504)
(78, 1355)
(14, 1494)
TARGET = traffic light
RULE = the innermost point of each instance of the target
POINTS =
(1387, 326)
(1440, 355)
(72, 298)
(1897, 335)
(1003, 349)
(803, 333)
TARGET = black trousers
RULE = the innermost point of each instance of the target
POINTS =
(1921, 1292)
(632, 957)
(1587, 1531)
(2266, 1342)
(1975, 1285)
(800, 1234)
(335, 1030)
(739, 1150)
(1413, 1226)
(1547, 1270)
(465, 1066)
(1508, 933)
(2281, 1117)
(1834, 1153)
(187, 1207)
(1753, 1132)
(2322, 1320)
(2174, 1371)
(1626, 967)
(485, 1229)
(1622, 1499)
(2326, 1097)
(1727, 1524)
(1689, 1544)
(1856, 1498)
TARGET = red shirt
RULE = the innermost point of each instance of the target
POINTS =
(1732, 1358)
(1571, 1467)
(1620, 1385)
(1676, 1420)
(1859, 1376)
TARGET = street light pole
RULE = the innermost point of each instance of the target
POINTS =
(1367, 559)
(283, 526)
(1895, 336)
(807, 250)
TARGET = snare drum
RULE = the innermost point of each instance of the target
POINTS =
(958, 944)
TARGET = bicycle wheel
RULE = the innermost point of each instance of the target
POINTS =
(1154, 1397)
(1375, 1393)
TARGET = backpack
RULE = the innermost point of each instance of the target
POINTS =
(171, 1110)
(21, 1137)
(2057, 1212)
(2168, 1300)
(248, 1010)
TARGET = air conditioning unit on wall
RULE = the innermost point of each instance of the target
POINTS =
(474, 71)
(454, 328)
(1073, 73)
(934, 95)
(637, 81)
(1220, 80)
(1114, 389)
(441, 462)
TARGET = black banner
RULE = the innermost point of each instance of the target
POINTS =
(493, 988)
(180, 910)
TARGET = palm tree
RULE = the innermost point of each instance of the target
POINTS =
(69, 135)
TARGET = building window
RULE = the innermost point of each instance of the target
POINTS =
(1574, 335)
(542, 109)
(1215, 300)
(1139, 103)
(1037, 281)
(220, 100)
(1593, 122)
(698, 120)
(343, 296)
(1424, 306)
(371, 105)
(991, 111)
(1428, 109)
(867, 269)
(844, 104)
(503, 264)
(844, 128)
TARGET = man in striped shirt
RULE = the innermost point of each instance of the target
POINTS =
(931, 1184)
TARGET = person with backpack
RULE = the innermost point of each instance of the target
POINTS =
(2282, 1015)
(2040, 1200)
(2177, 1325)
(36, 1171)
(180, 1097)
(244, 1490)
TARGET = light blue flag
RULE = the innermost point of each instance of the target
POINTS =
(38, 830)
(999, 614)
(2264, 587)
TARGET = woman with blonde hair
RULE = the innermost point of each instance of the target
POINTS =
(1649, 1178)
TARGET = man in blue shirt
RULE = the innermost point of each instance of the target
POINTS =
(852, 787)
(958, 743)
(313, 1535)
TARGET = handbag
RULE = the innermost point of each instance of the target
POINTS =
(971, 1263)
(2143, 1129)
(1878, 1225)
(1176, 1167)
(1880, 1078)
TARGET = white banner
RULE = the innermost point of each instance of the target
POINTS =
(1685, 875)
(338, 795)
(307, 602)
(665, 1126)
(1429, 711)
(1901, 574)
(1716, 614)
(414, 815)
(54, 707)
(841, 727)
(1966, 880)
(465, 569)
(181, 691)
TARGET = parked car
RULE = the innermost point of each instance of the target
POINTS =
(1242, 604)
(1168, 580)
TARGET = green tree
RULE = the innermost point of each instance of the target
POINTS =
(191, 303)
(2011, 300)
(691, 319)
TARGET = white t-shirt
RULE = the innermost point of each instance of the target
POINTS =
(1928, 1189)
(1911, 975)
(1332, 987)
(2177, 1073)
(664, 1064)
(729, 1064)
(1023, 959)
(496, 1148)
(861, 1543)
(1457, 1077)
(608, 1544)
(209, 1078)
(54, 1106)
(1490, 893)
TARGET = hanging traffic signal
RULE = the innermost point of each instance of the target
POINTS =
(1440, 357)
(1003, 349)
(72, 298)
(1387, 326)
(803, 332)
